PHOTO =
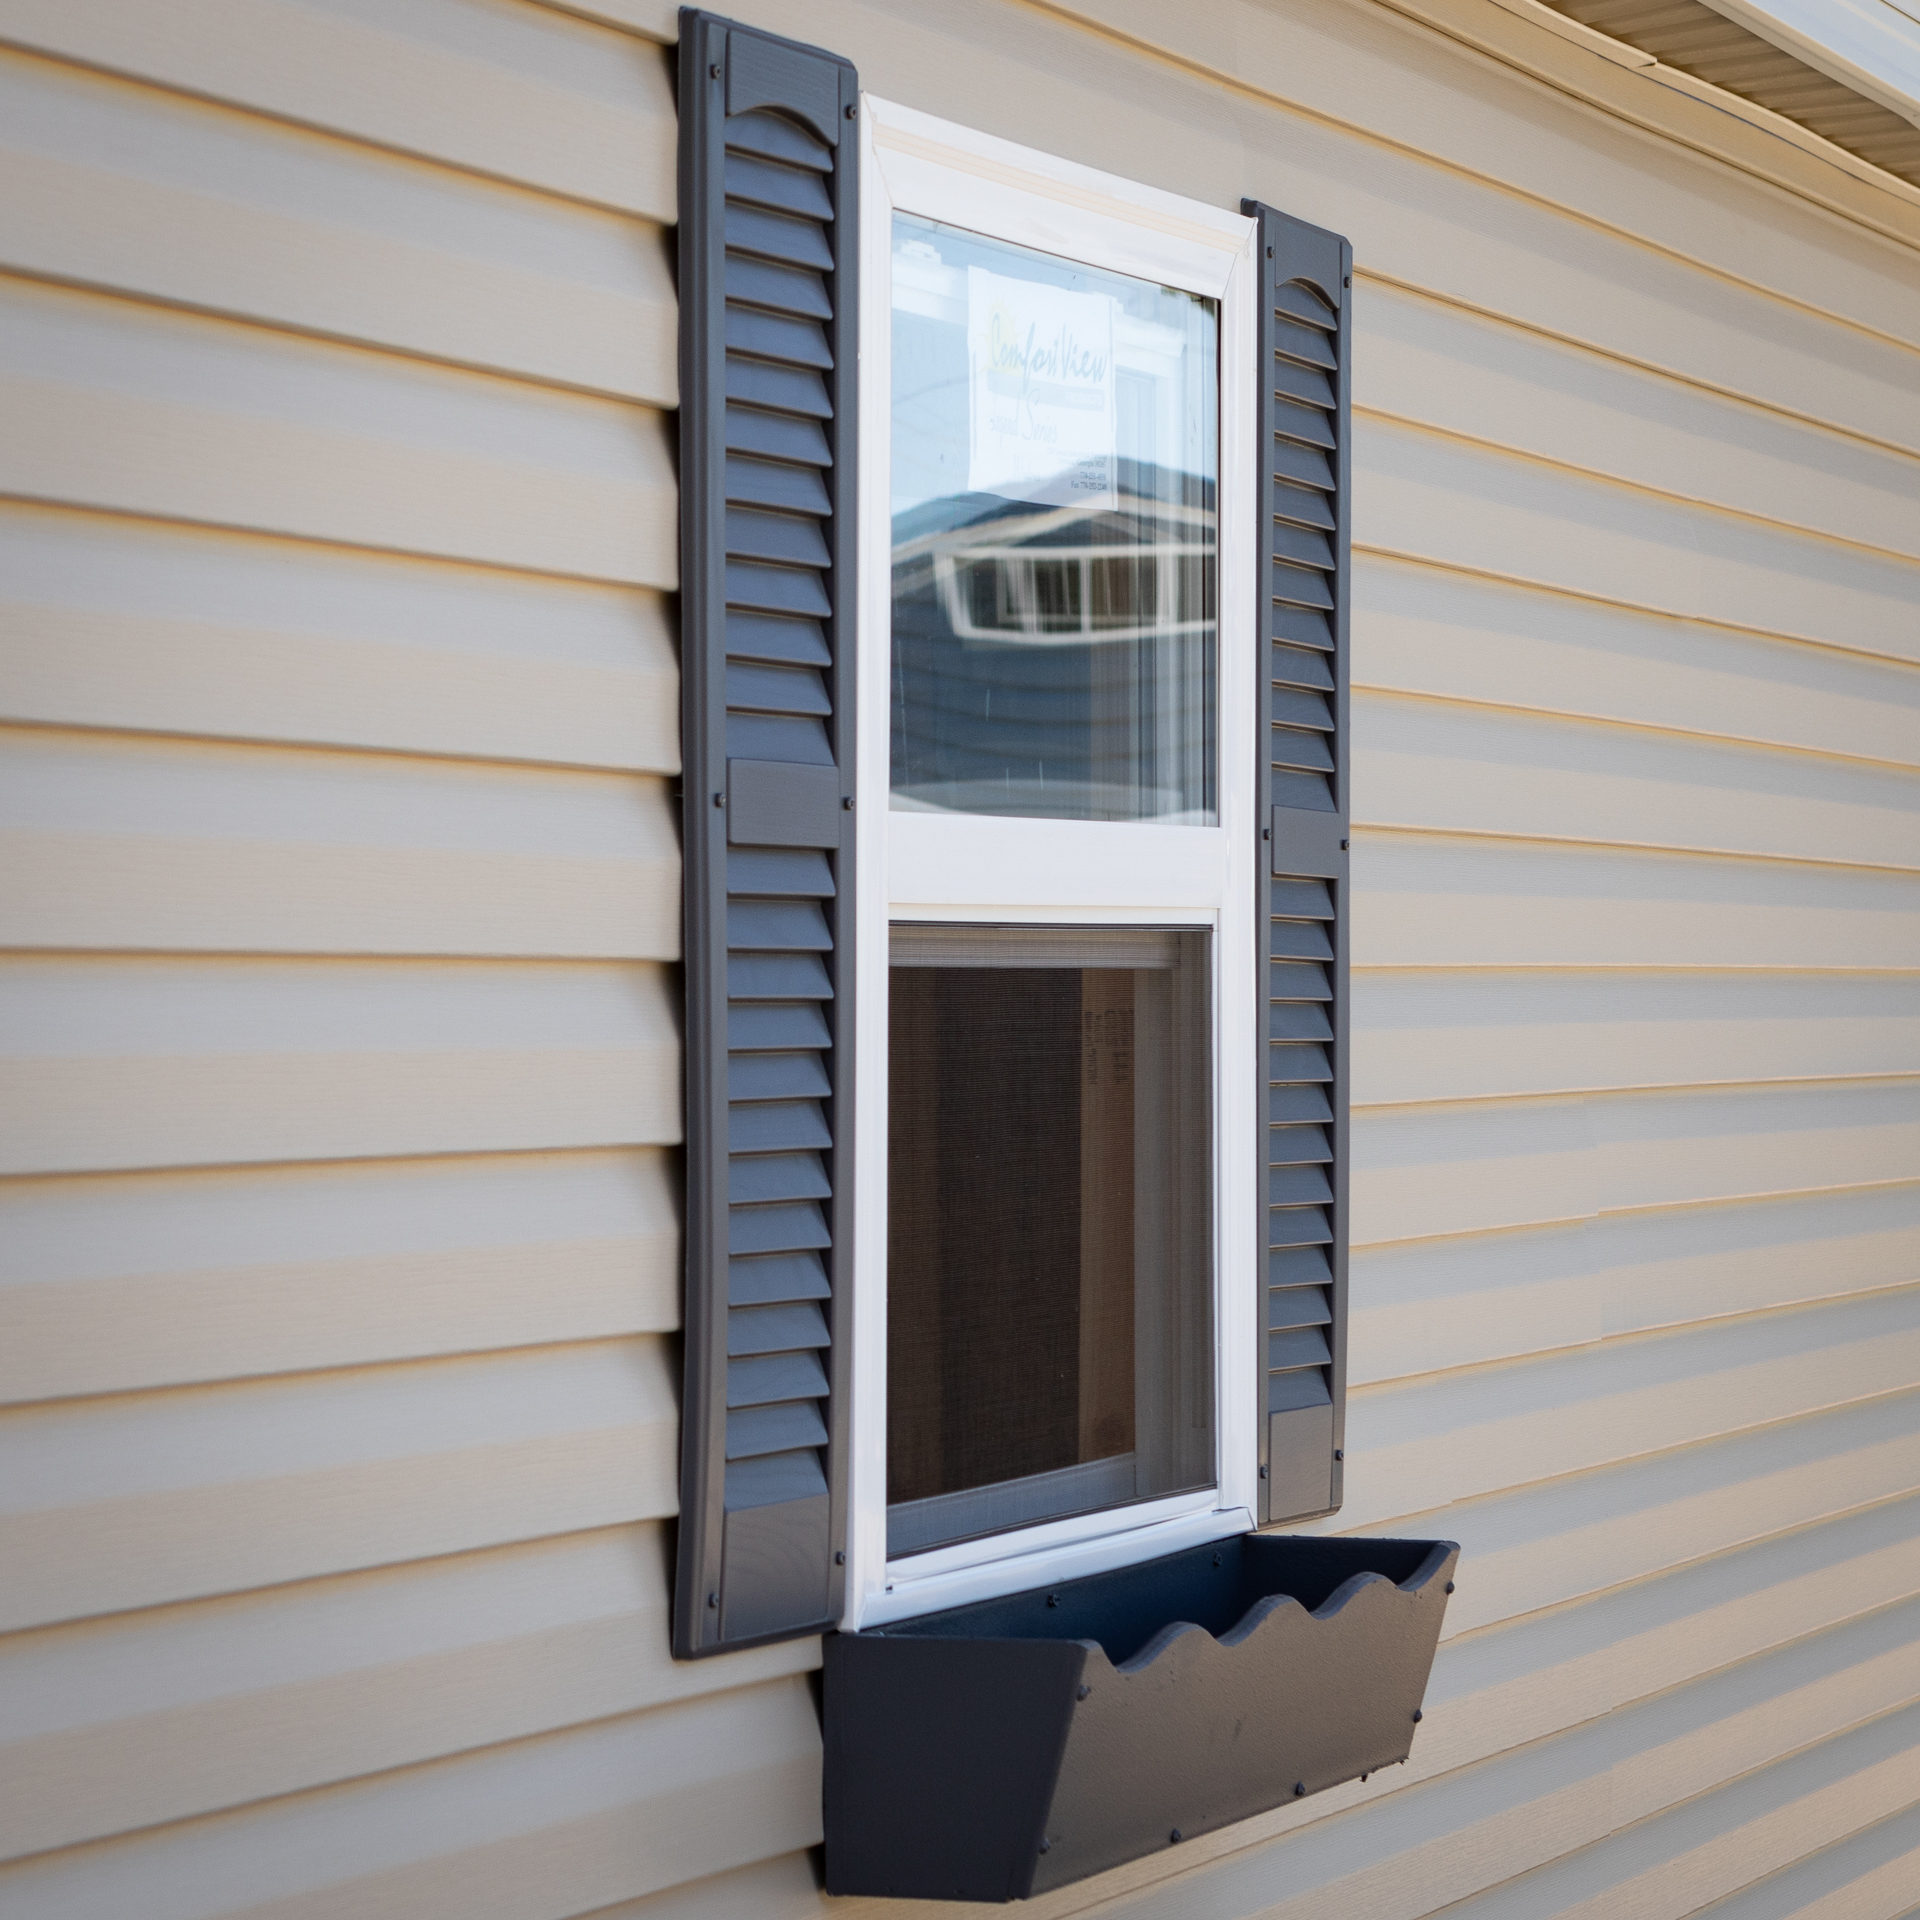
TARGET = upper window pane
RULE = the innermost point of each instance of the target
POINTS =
(1055, 452)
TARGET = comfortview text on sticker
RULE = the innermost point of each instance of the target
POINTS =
(1041, 392)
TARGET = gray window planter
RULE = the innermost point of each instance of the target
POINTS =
(1002, 1749)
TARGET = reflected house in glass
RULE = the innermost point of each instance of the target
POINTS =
(1059, 660)
(1054, 624)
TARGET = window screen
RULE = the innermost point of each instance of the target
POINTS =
(1049, 1309)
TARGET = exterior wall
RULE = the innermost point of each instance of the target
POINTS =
(338, 1248)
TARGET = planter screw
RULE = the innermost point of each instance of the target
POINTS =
(1174, 1835)
(1417, 1714)
(1082, 1694)
(1299, 1788)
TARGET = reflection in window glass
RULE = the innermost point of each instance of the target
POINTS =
(1055, 452)
(1049, 1312)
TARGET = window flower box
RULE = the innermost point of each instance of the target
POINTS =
(1008, 1747)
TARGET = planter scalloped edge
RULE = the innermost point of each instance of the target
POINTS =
(1000, 1750)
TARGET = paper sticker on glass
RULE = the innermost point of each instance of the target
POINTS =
(1055, 454)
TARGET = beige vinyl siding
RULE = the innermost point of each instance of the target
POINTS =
(338, 878)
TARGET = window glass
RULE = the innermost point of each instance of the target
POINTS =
(1055, 452)
(1049, 1306)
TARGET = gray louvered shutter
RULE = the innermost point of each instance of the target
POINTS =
(1305, 330)
(768, 253)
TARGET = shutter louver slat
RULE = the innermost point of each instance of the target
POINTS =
(767, 261)
(1305, 334)
(778, 1429)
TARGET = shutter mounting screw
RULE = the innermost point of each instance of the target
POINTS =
(1263, 1473)
(853, 113)
(719, 799)
(846, 800)
(840, 1558)
(1417, 1714)
(1046, 1846)
(714, 70)
(1082, 1694)
(1449, 1586)
(1299, 1789)
(1174, 1835)
(1339, 1453)
(1053, 1599)
(713, 1599)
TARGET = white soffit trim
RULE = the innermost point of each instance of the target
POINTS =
(1871, 46)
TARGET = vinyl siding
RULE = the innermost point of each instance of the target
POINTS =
(339, 1231)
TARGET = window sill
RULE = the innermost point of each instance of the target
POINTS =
(1009, 1747)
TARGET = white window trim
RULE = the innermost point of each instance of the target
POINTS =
(1034, 870)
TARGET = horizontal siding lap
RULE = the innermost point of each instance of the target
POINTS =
(185, 419)
(124, 1063)
(1458, 1035)
(1870, 1875)
(1424, 898)
(1613, 1523)
(112, 843)
(1422, 361)
(1484, 248)
(151, 1498)
(169, 1713)
(525, 93)
(1666, 1865)
(1423, 494)
(552, 1826)
(1436, 1303)
(148, 195)
(1447, 767)
(1420, 629)
(110, 1283)
(1444, 1169)
(1502, 1684)
(1421, 1443)
(109, 622)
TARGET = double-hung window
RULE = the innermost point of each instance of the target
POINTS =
(1013, 624)
(1054, 1260)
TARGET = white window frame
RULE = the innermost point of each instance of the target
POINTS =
(987, 869)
